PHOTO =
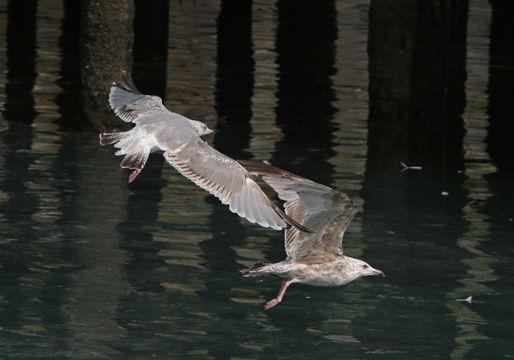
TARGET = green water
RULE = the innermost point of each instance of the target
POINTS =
(92, 267)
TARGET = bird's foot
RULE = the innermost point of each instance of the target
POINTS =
(272, 303)
(133, 175)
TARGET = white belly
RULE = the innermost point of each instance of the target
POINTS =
(330, 274)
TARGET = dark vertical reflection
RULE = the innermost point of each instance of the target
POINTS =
(149, 68)
(417, 73)
(150, 59)
(416, 65)
(234, 89)
(151, 46)
(234, 78)
(305, 46)
(20, 205)
(501, 88)
(21, 51)
(149, 73)
(68, 99)
(65, 173)
(500, 148)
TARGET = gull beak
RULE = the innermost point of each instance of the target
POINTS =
(378, 273)
(375, 272)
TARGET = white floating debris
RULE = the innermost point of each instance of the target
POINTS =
(406, 167)
(469, 299)
(444, 193)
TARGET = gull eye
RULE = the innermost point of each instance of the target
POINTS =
(365, 266)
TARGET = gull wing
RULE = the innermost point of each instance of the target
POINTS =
(226, 179)
(325, 211)
(128, 102)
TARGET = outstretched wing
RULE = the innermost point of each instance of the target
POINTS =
(128, 102)
(226, 179)
(325, 211)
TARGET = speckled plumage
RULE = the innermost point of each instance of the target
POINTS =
(314, 258)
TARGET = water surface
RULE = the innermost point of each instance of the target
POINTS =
(93, 267)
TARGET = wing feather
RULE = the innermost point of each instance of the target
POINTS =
(157, 128)
(323, 210)
(129, 104)
(226, 179)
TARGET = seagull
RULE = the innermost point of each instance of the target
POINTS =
(314, 258)
(158, 129)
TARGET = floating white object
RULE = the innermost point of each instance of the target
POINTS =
(406, 167)
(469, 299)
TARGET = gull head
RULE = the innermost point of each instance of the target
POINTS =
(365, 269)
(201, 128)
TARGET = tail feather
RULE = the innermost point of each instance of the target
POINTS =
(128, 142)
(255, 269)
(110, 138)
(134, 160)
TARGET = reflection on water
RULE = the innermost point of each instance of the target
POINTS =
(93, 267)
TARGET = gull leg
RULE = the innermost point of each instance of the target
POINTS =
(133, 175)
(280, 295)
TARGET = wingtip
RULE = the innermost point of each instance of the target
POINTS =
(263, 169)
(305, 229)
(125, 82)
(289, 220)
(298, 226)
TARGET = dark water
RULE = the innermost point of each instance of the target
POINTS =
(91, 267)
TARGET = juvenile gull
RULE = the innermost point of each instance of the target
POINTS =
(156, 128)
(314, 258)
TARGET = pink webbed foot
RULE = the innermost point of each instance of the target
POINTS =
(272, 303)
(281, 293)
(133, 175)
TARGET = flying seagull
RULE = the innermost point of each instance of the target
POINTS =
(156, 128)
(314, 258)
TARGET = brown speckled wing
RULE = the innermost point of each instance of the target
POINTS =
(327, 242)
(326, 212)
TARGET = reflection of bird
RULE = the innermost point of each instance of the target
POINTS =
(157, 128)
(314, 258)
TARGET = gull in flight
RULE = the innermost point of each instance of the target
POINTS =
(314, 258)
(156, 128)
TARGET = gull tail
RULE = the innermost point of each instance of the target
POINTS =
(111, 138)
(129, 144)
(135, 160)
(255, 270)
